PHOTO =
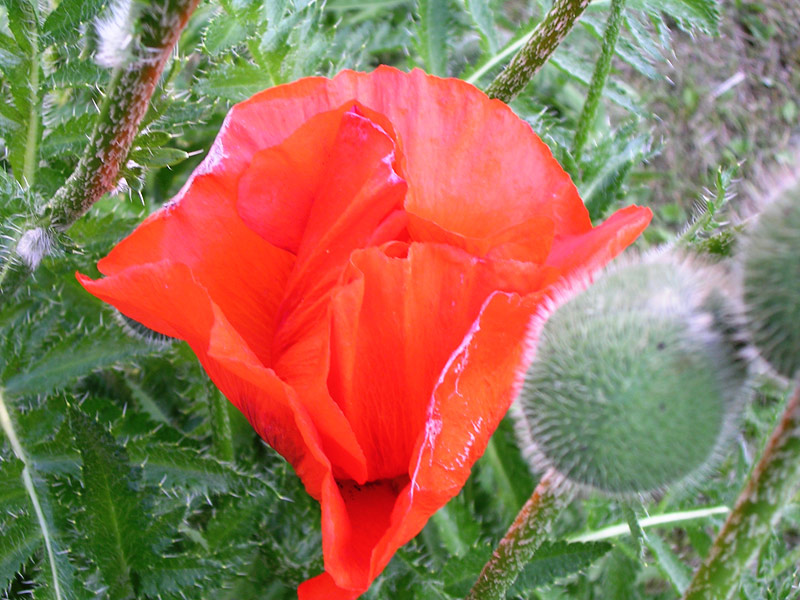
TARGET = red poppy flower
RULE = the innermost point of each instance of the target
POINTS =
(355, 264)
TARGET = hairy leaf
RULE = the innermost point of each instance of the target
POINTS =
(432, 32)
(113, 518)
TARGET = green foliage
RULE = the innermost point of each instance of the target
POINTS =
(147, 484)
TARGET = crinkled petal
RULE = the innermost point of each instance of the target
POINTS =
(498, 172)
(166, 297)
(402, 317)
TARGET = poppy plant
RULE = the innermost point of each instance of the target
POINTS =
(355, 264)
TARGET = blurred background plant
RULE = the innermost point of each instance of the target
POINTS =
(125, 474)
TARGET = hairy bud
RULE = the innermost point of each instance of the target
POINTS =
(637, 381)
(771, 268)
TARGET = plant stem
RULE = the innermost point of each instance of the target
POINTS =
(522, 539)
(771, 485)
(557, 23)
(124, 106)
(8, 428)
(32, 137)
(601, 70)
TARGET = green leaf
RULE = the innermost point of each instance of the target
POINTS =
(619, 575)
(481, 14)
(64, 22)
(21, 538)
(23, 82)
(113, 519)
(434, 17)
(70, 136)
(676, 572)
(223, 33)
(74, 356)
(175, 574)
(559, 559)
(235, 82)
(13, 496)
(171, 466)
(158, 157)
(614, 90)
(460, 572)
(703, 15)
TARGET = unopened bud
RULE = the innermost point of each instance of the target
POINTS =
(772, 282)
(637, 381)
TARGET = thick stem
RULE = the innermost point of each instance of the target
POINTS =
(123, 108)
(601, 70)
(8, 428)
(543, 41)
(772, 483)
(522, 539)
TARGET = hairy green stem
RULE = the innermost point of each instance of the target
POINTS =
(32, 137)
(522, 539)
(557, 23)
(122, 110)
(601, 70)
(771, 485)
(8, 428)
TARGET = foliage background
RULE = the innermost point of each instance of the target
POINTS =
(149, 484)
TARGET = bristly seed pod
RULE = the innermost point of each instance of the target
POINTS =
(638, 380)
(771, 267)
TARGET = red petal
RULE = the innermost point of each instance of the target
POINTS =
(161, 295)
(590, 251)
(499, 173)
(242, 273)
(401, 318)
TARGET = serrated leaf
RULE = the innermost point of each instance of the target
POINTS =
(13, 496)
(77, 74)
(63, 23)
(171, 466)
(113, 520)
(676, 572)
(175, 574)
(559, 559)
(71, 135)
(703, 15)
(481, 14)
(460, 572)
(235, 82)
(158, 157)
(74, 356)
(23, 21)
(21, 538)
(432, 31)
(614, 90)
(223, 33)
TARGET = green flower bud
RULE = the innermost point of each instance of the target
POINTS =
(772, 283)
(637, 381)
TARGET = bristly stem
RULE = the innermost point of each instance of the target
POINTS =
(602, 69)
(32, 137)
(523, 538)
(771, 485)
(555, 26)
(8, 428)
(122, 110)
